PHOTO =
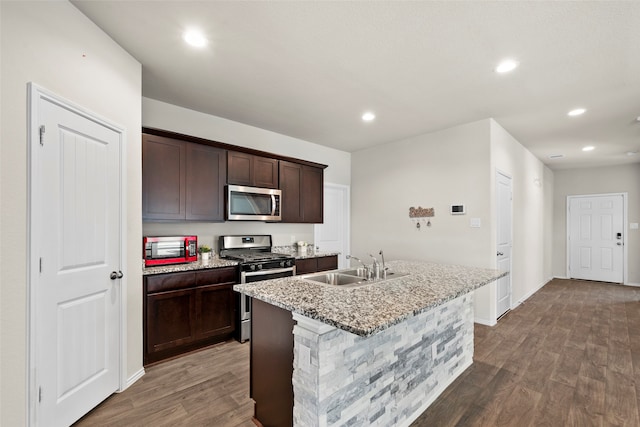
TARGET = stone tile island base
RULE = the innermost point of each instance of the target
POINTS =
(388, 379)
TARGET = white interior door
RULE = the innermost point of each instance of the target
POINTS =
(75, 242)
(333, 234)
(504, 243)
(596, 237)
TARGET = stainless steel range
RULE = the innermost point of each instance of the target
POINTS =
(257, 262)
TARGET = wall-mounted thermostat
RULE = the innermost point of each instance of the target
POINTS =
(458, 210)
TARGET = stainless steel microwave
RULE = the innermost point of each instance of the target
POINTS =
(253, 203)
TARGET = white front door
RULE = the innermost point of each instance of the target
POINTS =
(504, 215)
(596, 237)
(75, 244)
(333, 234)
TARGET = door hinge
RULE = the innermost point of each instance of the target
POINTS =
(39, 394)
(40, 265)
(42, 131)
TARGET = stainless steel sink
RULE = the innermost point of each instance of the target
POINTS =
(351, 272)
(336, 279)
(360, 273)
(348, 278)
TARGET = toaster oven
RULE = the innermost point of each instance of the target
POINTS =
(163, 250)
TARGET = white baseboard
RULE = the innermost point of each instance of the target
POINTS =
(485, 322)
(435, 395)
(530, 294)
(626, 284)
(132, 379)
(560, 277)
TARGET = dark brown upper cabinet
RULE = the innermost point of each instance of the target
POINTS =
(302, 192)
(206, 175)
(164, 178)
(251, 170)
(182, 180)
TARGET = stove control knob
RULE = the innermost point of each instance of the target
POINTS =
(289, 263)
(259, 266)
(252, 267)
(282, 263)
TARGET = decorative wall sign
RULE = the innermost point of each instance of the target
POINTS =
(421, 212)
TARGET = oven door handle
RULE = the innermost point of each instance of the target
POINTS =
(270, 271)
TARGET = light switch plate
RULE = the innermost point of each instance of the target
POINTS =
(633, 226)
(475, 222)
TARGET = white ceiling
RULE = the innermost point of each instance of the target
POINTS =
(309, 69)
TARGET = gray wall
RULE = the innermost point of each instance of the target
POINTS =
(55, 46)
(431, 171)
(614, 179)
(532, 185)
(456, 165)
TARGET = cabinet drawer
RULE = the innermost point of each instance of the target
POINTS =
(216, 276)
(307, 265)
(328, 263)
(170, 282)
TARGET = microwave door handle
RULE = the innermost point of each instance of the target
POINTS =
(273, 204)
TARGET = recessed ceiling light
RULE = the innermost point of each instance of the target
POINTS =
(631, 153)
(588, 148)
(368, 116)
(556, 156)
(194, 38)
(506, 66)
(576, 112)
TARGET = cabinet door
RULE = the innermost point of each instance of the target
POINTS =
(312, 189)
(265, 172)
(215, 308)
(271, 366)
(306, 266)
(254, 171)
(290, 184)
(239, 168)
(163, 178)
(206, 174)
(170, 320)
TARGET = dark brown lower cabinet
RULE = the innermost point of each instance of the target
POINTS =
(313, 265)
(188, 310)
(171, 321)
(271, 364)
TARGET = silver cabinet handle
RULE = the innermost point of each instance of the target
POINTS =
(499, 254)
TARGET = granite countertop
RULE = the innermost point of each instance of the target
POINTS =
(371, 308)
(218, 262)
(196, 265)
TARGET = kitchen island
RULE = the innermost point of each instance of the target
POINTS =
(376, 354)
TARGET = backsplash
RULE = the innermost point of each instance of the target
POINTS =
(283, 234)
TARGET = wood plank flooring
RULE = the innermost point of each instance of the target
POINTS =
(569, 356)
(206, 388)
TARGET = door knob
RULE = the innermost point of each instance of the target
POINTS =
(619, 243)
(114, 275)
(499, 254)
